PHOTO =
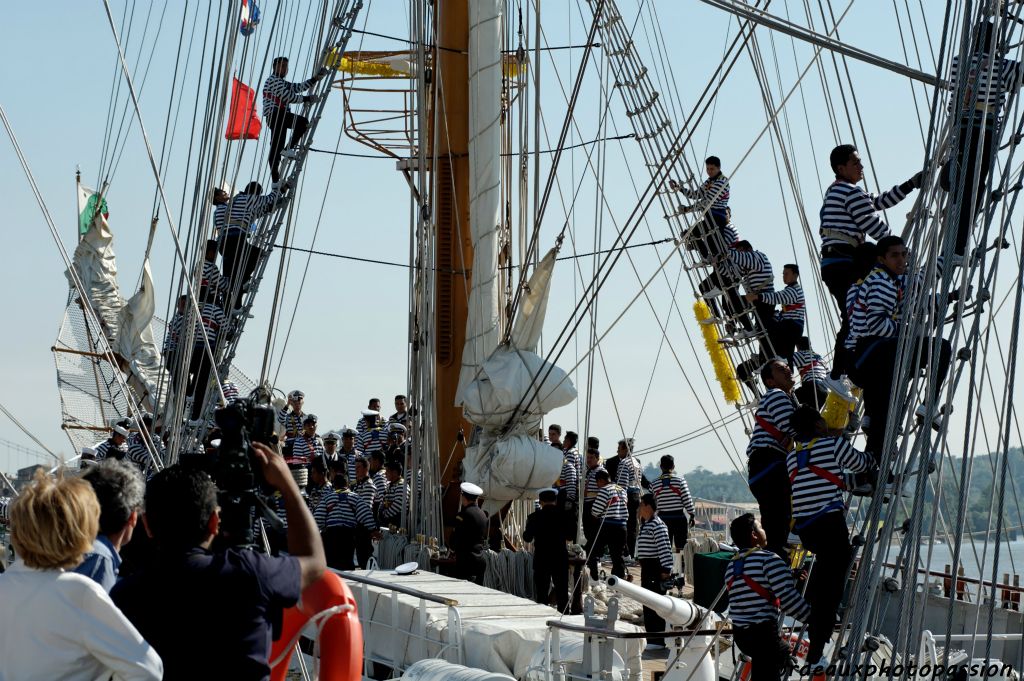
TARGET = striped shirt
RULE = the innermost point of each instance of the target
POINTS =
(629, 473)
(343, 508)
(755, 269)
(673, 496)
(361, 426)
(610, 505)
(350, 462)
(590, 489)
(573, 455)
(771, 422)
(393, 501)
(380, 482)
(875, 305)
(305, 449)
(243, 210)
(652, 542)
(139, 455)
(729, 234)
(107, 449)
(791, 298)
(213, 279)
(314, 495)
(810, 365)
(814, 482)
(767, 571)
(366, 489)
(276, 504)
(569, 479)
(371, 440)
(986, 81)
(172, 336)
(212, 318)
(292, 422)
(713, 194)
(849, 214)
(278, 93)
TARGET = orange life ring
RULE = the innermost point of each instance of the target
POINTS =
(341, 645)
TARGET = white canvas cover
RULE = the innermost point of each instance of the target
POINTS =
(136, 344)
(96, 265)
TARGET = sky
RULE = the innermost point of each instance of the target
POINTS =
(349, 340)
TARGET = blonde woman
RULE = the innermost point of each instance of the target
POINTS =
(62, 625)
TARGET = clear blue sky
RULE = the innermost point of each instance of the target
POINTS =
(349, 340)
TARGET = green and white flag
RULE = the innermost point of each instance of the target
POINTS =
(87, 202)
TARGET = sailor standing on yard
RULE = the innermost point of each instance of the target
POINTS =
(848, 216)
(469, 538)
(278, 94)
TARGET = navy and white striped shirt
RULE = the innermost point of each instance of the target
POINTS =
(652, 542)
(629, 473)
(243, 210)
(755, 269)
(849, 214)
(172, 336)
(673, 496)
(875, 305)
(393, 501)
(107, 449)
(343, 508)
(350, 462)
(770, 574)
(305, 449)
(987, 81)
(314, 494)
(714, 191)
(814, 486)
(380, 482)
(729, 234)
(791, 298)
(366, 489)
(292, 422)
(611, 505)
(569, 479)
(371, 440)
(771, 422)
(212, 278)
(139, 455)
(278, 93)
(212, 318)
(810, 365)
(590, 489)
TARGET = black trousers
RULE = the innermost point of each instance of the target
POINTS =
(632, 522)
(340, 547)
(707, 237)
(240, 260)
(768, 653)
(650, 579)
(828, 539)
(571, 510)
(613, 538)
(783, 335)
(199, 377)
(957, 176)
(678, 530)
(812, 394)
(839, 273)
(364, 547)
(548, 569)
(279, 123)
(589, 524)
(875, 368)
(470, 568)
(767, 468)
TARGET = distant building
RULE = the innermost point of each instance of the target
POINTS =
(25, 475)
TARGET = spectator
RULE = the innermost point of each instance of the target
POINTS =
(211, 609)
(119, 487)
(66, 626)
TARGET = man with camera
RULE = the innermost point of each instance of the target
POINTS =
(216, 609)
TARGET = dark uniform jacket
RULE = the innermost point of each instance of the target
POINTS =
(546, 528)
(469, 538)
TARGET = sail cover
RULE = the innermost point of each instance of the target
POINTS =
(95, 263)
(136, 345)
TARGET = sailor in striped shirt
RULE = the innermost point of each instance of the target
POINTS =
(236, 220)
(377, 475)
(364, 487)
(610, 511)
(308, 445)
(114, 447)
(630, 477)
(278, 94)
(848, 216)
(211, 276)
(363, 422)
(292, 420)
(374, 436)
(320, 482)
(979, 93)
(787, 325)
(394, 498)
(760, 584)
(766, 453)
(349, 452)
(654, 551)
(590, 490)
(211, 321)
(812, 370)
(754, 270)
(712, 201)
(875, 324)
(816, 467)
(340, 515)
(675, 505)
(138, 453)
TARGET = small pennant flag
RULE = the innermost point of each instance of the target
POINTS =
(250, 17)
(87, 202)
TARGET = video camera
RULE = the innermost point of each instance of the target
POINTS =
(237, 474)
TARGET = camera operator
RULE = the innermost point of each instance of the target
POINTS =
(214, 611)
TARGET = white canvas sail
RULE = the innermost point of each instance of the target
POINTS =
(135, 342)
(96, 265)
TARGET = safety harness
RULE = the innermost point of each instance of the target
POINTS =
(803, 457)
(737, 571)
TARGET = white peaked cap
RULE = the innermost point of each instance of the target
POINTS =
(470, 490)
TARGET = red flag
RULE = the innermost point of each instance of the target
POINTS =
(243, 123)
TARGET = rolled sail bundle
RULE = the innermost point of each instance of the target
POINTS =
(511, 467)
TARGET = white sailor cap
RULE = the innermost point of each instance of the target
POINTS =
(470, 490)
(120, 430)
(88, 453)
(548, 494)
(398, 428)
(296, 395)
(331, 437)
(370, 412)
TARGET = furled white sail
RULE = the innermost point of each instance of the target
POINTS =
(135, 342)
(96, 265)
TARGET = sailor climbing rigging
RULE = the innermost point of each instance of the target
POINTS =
(278, 94)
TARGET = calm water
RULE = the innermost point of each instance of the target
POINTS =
(1011, 557)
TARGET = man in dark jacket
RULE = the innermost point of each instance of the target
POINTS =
(549, 534)
(469, 539)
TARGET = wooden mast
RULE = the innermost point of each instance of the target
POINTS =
(448, 144)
